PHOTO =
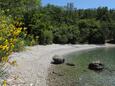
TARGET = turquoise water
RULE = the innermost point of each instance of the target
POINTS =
(80, 75)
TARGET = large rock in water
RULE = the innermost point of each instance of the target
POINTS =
(97, 66)
(58, 59)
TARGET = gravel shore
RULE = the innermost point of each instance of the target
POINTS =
(33, 63)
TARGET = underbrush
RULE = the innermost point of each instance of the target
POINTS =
(9, 40)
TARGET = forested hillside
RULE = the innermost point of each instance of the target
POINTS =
(54, 24)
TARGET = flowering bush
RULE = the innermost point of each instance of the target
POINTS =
(9, 34)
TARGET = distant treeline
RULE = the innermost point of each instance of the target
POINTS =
(54, 24)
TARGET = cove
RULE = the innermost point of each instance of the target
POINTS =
(80, 75)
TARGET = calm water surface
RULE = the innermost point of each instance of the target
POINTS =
(80, 75)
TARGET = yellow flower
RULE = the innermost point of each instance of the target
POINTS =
(8, 36)
(4, 83)
(6, 41)
(5, 47)
(17, 31)
(12, 46)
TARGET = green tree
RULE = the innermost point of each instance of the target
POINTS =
(88, 28)
(46, 37)
(18, 7)
(103, 14)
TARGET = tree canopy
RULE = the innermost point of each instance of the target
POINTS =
(55, 24)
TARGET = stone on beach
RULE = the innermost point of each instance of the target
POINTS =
(58, 60)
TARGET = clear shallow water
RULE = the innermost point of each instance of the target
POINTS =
(80, 75)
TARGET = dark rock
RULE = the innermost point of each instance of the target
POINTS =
(97, 66)
(57, 73)
(58, 60)
(70, 64)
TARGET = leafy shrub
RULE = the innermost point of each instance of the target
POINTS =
(46, 37)
(9, 34)
(97, 38)
(19, 45)
(60, 35)
(87, 27)
(66, 34)
(73, 34)
(63, 39)
(31, 40)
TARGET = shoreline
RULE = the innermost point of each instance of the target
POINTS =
(33, 64)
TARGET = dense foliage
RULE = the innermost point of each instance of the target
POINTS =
(9, 35)
(53, 24)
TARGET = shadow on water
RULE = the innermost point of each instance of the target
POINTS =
(80, 75)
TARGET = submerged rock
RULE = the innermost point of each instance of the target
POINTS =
(57, 74)
(70, 64)
(58, 60)
(97, 66)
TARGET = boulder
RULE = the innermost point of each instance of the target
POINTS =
(97, 66)
(58, 60)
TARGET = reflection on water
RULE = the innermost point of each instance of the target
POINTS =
(80, 75)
